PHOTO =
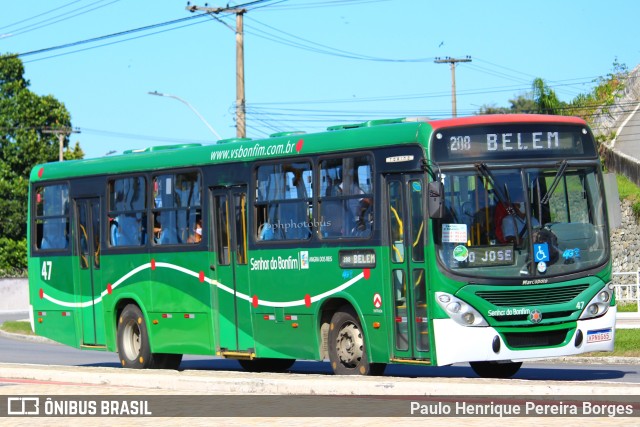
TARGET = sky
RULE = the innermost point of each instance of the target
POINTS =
(309, 64)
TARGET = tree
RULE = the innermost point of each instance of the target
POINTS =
(523, 104)
(24, 118)
(603, 96)
(545, 98)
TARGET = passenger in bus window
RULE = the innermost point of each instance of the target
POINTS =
(113, 231)
(196, 236)
(357, 207)
(157, 228)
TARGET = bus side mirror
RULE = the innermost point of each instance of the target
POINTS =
(435, 201)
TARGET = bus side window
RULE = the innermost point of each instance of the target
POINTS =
(52, 217)
(176, 210)
(346, 201)
(283, 201)
(126, 212)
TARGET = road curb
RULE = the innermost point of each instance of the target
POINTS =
(227, 382)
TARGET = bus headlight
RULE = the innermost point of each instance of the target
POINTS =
(599, 304)
(469, 318)
(459, 310)
(604, 296)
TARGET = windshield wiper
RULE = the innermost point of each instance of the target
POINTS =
(505, 199)
(563, 166)
(485, 172)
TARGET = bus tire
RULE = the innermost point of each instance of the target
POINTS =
(133, 339)
(347, 348)
(495, 369)
(167, 361)
(266, 364)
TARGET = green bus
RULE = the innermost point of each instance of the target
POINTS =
(431, 242)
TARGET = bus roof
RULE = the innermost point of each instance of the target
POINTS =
(490, 119)
(370, 134)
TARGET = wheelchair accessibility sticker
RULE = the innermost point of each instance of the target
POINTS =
(541, 252)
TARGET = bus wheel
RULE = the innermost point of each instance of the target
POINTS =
(133, 339)
(347, 350)
(266, 365)
(495, 369)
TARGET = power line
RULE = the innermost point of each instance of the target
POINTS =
(109, 36)
(63, 17)
(305, 44)
(321, 4)
(40, 14)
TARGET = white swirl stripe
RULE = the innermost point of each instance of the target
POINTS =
(153, 265)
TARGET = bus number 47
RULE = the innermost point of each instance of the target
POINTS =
(46, 270)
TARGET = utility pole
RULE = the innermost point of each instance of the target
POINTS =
(452, 62)
(61, 135)
(241, 126)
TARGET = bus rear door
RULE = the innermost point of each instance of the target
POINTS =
(232, 294)
(87, 232)
(407, 230)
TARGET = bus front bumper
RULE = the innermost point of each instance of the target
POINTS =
(456, 343)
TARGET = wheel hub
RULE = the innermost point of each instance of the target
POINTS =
(131, 342)
(350, 345)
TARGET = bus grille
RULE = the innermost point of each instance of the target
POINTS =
(535, 339)
(532, 297)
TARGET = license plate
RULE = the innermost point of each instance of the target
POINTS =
(600, 335)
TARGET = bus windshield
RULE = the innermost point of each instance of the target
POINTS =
(522, 222)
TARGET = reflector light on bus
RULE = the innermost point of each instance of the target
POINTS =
(167, 316)
(189, 316)
(269, 317)
(66, 313)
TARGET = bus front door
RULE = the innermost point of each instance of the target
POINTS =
(87, 233)
(232, 296)
(407, 231)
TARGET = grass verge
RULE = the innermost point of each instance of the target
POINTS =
(17, 327)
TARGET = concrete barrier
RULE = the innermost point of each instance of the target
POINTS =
(14, 295)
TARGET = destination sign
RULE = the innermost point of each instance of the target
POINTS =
(489, 256)
(359, 258)
(512, 142)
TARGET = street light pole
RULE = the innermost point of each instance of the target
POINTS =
(191, 107)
